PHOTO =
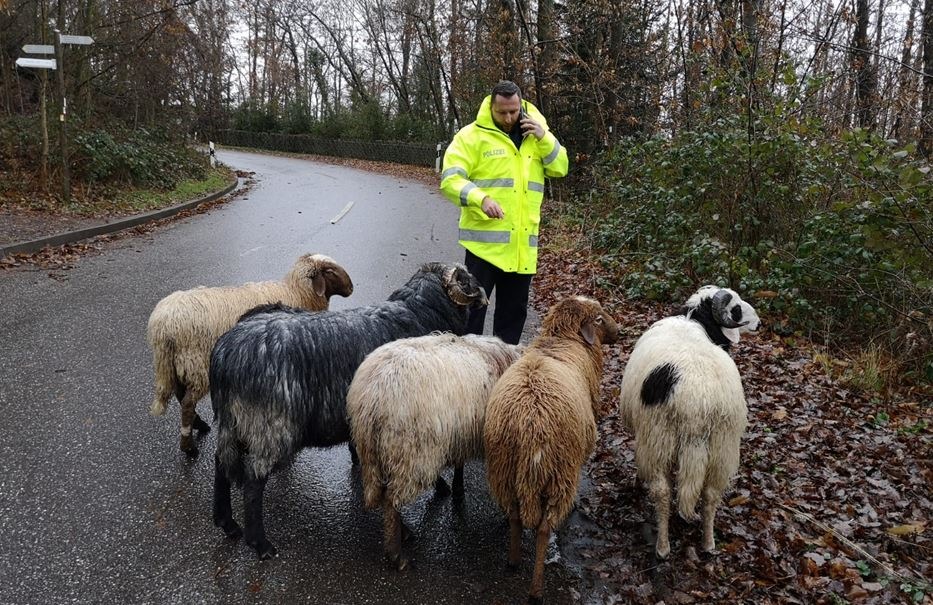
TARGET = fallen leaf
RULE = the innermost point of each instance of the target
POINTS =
(907, 529)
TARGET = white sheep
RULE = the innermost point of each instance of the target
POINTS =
(682, 398)
(416, 406)
(184, 326)
(541, 424)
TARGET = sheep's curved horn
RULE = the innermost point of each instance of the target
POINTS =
(721, 314)
(457, 293)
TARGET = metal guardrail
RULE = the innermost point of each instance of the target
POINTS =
(418, 154)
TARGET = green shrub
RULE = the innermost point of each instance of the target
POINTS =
(143, 158)
(836, 232)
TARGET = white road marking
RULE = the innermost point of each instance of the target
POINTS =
(342, 212)
(250, 251)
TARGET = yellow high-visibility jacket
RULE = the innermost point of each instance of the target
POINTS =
(482, 160)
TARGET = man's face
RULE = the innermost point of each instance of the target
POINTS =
(505, 111)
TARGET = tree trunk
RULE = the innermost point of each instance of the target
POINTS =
(926, 111)
(865, 82)
(904, 99)
(547, 49)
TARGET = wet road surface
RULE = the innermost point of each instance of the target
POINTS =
(97, 504)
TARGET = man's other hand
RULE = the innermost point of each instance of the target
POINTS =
(492, 208)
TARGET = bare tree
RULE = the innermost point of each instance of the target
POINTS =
(926, 112)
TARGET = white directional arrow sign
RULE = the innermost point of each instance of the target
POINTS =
(37, 63)
(39, 49)
(82, 40)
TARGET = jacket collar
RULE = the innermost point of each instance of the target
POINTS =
(484, 115)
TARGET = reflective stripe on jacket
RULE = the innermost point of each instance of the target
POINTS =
(482, 160)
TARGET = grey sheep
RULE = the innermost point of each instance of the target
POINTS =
(279, 380)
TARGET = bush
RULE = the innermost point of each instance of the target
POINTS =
(143, 158)
(833, 236)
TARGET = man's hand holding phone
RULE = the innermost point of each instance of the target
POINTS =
(530, 126)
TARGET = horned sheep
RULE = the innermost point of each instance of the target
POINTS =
(184, 326)
(682, 398)
(416, 406)
(279, 380)
(541, 424)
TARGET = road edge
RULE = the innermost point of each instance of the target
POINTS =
(71, 237)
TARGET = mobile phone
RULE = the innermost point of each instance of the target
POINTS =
(522, 114)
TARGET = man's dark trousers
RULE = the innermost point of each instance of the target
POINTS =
(511, 299)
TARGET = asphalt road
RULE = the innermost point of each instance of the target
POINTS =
(97, 504)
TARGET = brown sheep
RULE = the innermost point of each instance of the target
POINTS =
(184, 326)
(541, 424)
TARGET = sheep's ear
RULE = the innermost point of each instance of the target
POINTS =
(319, 283)
(731, 333)
(588, 332)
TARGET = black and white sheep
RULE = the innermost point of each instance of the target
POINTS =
(682, 398)
(279, 380)
(541, 424)
(416, 406)
(184, 326)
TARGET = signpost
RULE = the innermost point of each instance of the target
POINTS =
(36, 63)
(39, 49)
(57, 65)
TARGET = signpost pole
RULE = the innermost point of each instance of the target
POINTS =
(62, 134)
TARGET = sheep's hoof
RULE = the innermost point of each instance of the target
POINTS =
(230, 528)
(399, 562)
(441, 489)
(533, 600)
(513, 566)
(407, 534)
(188, 446)
(201, 426)
(663, 552)
(264, 549)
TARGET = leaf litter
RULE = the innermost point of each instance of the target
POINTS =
(828, 505)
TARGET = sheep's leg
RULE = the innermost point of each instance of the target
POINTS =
(199, 424)
(392, 525)
(354, 457)
(515, 537)
(660, 490)
(223, 513)
(255, 532)
(710, 502)
(458, 480)
(537, 578)
(188, 414)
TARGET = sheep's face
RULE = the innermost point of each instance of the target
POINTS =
(462, 287)
(733, 315)
(581, 316)
(327, 277)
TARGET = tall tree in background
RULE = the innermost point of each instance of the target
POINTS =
(926, 112)
(863, 72)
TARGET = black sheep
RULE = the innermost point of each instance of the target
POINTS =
(279, 380)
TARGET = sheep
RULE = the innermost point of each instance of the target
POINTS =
(541, 424)
(416, 406)
(682, 398)
(279, 380)
(184, 326)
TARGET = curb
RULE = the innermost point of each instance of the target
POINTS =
(71, 237)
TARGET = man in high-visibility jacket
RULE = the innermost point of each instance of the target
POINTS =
(494, 169)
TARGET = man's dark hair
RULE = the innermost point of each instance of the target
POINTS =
(506, 88)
